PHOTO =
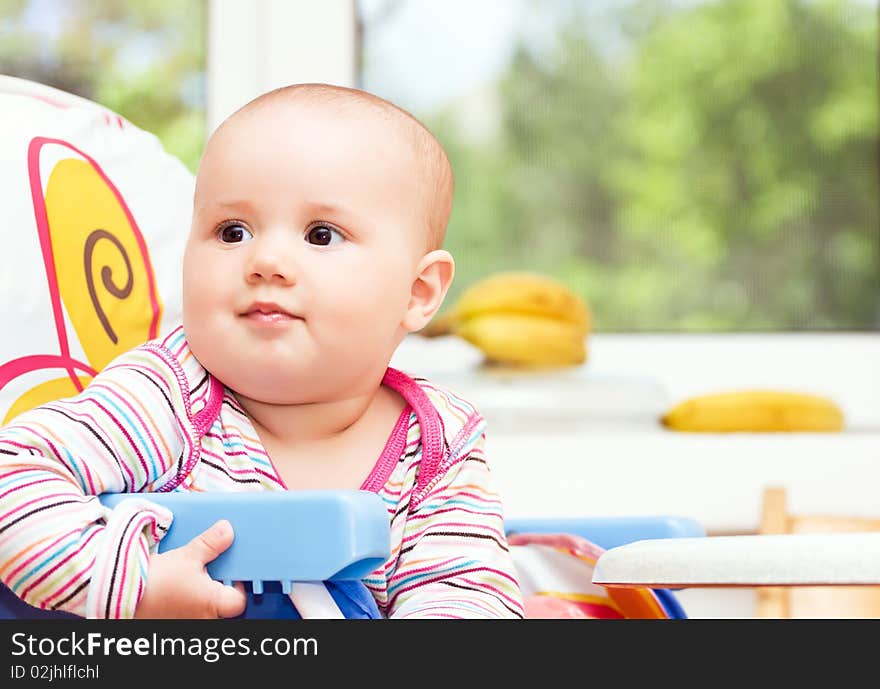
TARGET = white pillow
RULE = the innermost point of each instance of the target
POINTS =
(95, 217)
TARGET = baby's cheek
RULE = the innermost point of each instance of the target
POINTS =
(194, 273)
(195, 294)
(373, 310)
(203, 303)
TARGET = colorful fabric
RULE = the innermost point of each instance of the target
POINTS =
(154, 420)
(556, 575)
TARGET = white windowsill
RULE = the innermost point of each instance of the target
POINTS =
(586, 441)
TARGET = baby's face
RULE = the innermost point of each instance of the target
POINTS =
(307, 231)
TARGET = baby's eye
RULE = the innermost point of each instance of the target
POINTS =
(234, 233)
(324, 235)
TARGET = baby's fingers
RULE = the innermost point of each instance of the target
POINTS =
(211, 543)
(228, 601)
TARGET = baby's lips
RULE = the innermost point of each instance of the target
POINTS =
(268, 308)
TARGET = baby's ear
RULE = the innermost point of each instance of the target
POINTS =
(435, 272)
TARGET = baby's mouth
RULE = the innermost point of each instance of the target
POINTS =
(266, 312)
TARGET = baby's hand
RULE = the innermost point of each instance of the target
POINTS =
(179, 587)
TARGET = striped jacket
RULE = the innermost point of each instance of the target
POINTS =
(154, 421)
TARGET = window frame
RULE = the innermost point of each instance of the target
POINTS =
(277, 42)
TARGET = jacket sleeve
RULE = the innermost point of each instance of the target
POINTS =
(454, 560)
(127, 432)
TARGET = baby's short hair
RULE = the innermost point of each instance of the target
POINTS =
(439, 181)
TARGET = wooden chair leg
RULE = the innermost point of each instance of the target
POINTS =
(772, 602)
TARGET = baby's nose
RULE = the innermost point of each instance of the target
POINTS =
(268, 265)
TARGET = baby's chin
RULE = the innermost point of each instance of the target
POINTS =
(296, 388)
(287, 385)
(289, 392)
(279, 400)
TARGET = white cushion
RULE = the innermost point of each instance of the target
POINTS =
(95, 215)
(760, 560)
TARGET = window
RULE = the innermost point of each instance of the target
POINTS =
(686, 165)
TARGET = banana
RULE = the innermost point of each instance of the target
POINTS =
(755, 411)
(522, 293)
(519, 318)
(525, 340)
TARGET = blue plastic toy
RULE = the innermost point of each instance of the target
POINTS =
(282, 536)
(610, 532)
(286, 542)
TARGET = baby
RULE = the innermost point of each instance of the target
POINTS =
(318, 218)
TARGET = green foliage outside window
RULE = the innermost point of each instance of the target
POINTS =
(143, 59)
(724, 176)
